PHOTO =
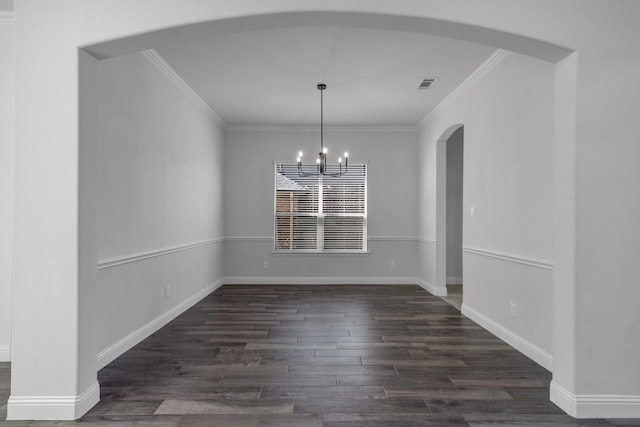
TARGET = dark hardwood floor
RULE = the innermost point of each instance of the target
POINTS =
(322, 356)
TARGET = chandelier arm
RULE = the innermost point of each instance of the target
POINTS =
(322, 166)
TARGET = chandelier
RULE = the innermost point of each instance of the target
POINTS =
(321, 161)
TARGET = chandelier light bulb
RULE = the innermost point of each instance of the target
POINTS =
(299, 153)
(346, 154)
(318, 161)
(298, 159)
(324, 150)
(339, 159)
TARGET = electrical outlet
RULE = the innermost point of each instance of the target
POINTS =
(167, 291)
(393, 265)
(472, 211)
(513, 309)
(266, 264)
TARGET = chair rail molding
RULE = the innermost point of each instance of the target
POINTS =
(139, 256)
(532, 262)
(7, 17)
(427, 241)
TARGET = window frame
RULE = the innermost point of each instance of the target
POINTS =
(321, 218)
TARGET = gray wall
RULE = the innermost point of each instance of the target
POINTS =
(392, 207)
(596, 173)
(6, 183)
(455, 162)
(508, 159)
(159, 209)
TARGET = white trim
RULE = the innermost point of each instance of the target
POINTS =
(249, 239)
(524, 346)
(438, 291)
(112, 352)
(7, 17)
(595, 405)
(400, 280)
(302, 252)
(454, 280)
(307, 129)
(563, 398)
(261, 280)
(5, 353)
(426, 241)
(538, 263)
(494, 59)
(184, 87)
(53, 407)
(126, 259)
(254, 239)
(392, 239)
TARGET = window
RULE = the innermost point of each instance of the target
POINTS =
(320, 214)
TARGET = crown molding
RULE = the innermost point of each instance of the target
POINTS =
(155, 58)
(494, 59)
(308, 129)
(7, 17)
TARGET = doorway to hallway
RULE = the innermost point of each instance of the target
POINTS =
(454, 214)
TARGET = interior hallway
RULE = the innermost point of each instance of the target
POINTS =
(321, 356)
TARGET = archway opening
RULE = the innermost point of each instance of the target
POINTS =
(454, 217)
(449, 222)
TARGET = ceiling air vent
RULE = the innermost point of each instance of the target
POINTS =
(427, 83)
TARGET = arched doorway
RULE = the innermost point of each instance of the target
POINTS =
(136, 34)
(454, 216)
(449, 223)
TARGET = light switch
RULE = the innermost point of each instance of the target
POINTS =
(473, 211)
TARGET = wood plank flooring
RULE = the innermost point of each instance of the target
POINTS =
(322, 356)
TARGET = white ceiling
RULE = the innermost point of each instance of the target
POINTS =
(269, 77)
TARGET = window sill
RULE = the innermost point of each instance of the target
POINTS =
(325, 253)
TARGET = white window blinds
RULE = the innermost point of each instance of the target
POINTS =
(320, 213)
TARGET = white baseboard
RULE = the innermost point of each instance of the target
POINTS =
(5, 353)
(595, 406)
(438, 291)
(112, 352)
(52, 407)
(525, 347)
(454, 280)
(261, 280)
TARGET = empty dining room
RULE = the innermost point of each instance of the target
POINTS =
(240, 213)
